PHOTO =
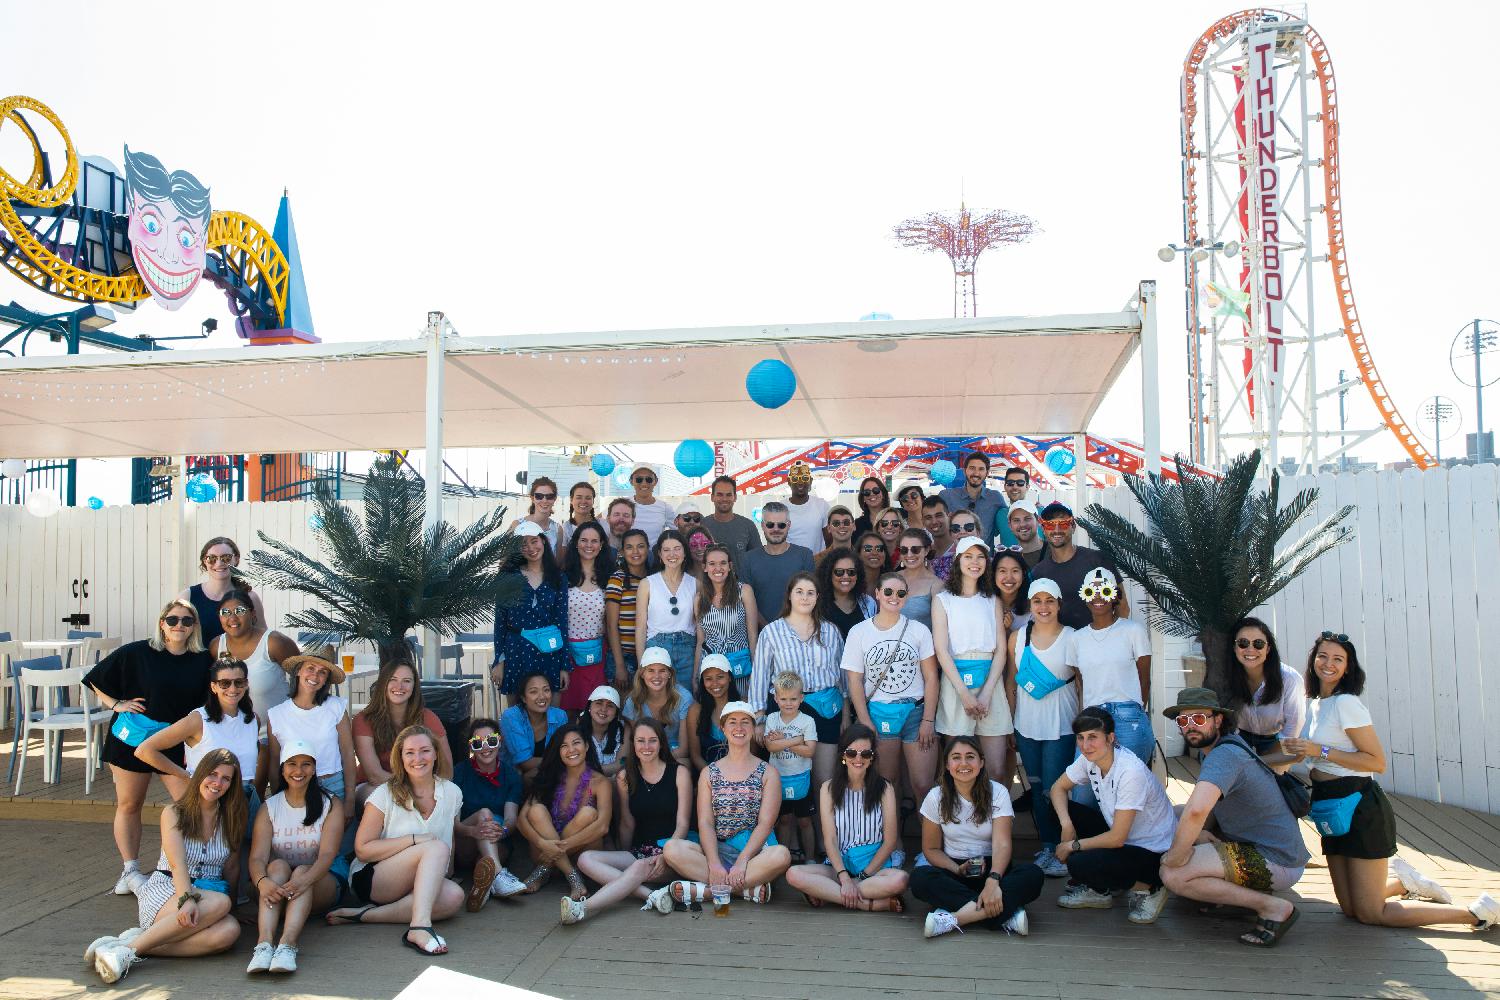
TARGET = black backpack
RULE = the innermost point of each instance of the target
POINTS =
(1298, 796)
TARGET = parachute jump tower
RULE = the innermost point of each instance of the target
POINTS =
(1260, 165)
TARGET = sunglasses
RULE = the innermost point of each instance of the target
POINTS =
(644, 479)
(673, 601)
(1008, 548)
(911, 550)
(210, 560)
(1186, 719)
(173, 621)
(888, 524)
(841, 522)
(845, 572)
(871, 491)
(1249, 643)
(1088, 592)
(1015, 482)
(691, 518)
(963, 529)
(1057, 524)
(852, 754)
(1335, 636)
(872, 548)
(233, 612)
(479, 743)
(775, 525)
(892, 592)
(230, 683)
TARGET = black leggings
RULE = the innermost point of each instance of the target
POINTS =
(1109, 869)
(1021, 884)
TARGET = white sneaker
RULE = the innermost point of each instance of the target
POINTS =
(660, 900)
(124, 937)
(260, 958)
(129, 881)
(285, 958)
(1418, 885)
(1486, 910)
(1145, 907)
(574, 910)
(506, 885)
(1050, 866)
(1084, 898)
(1018, 923)
(940, 922)
(113, 962)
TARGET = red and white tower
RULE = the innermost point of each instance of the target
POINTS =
(963, 239)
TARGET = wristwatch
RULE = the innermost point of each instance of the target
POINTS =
(1075, 845)
(994, 875)
(1325, 751)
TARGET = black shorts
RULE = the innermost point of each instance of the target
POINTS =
(829, 730)
(803, 808)
(1372, 831)
(360, 883)
(122, 755)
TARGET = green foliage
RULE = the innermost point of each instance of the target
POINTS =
(382, 574)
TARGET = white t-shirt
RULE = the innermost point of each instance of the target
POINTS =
(788, 763)
(807, 523)
(291, 840)
(1050, 717)
(401, 822)
(1106, 659)
(1328, 722)
(968, 838)
(318, 725)
(872, 652)
(1130, 785)
(653, 518)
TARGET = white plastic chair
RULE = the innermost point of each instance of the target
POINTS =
(54, 721)
(9, 649)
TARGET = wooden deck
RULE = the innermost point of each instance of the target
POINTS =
(57, 872)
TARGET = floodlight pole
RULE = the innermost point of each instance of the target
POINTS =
(437, 325)
(1478, 397)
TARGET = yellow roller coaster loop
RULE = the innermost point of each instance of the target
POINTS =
(246, 247)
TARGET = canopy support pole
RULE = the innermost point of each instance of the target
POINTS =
(1150, 381)
(437, 325)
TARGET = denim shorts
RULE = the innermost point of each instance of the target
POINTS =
(912, 726)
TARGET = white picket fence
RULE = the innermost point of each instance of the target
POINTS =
(1408, 589)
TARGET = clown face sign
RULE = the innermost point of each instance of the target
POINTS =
(169, 215)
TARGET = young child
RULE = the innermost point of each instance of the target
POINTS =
(791, 738)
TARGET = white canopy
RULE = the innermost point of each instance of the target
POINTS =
(1041, 375)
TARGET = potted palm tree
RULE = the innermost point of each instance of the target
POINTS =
(382, 574)
(1212, 551)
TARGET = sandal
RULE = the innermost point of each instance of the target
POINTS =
(576, 884)
(538, 878)
(812, 901)
(687, 892)
(434, 946)
(1268, 932)
(760, 894)
(334, 918)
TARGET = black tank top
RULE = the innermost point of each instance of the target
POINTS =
(208, 613)
(654, 808)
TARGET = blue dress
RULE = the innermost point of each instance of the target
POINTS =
(532, 608)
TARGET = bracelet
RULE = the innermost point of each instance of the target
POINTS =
(842, 871)
(192, 894)
(261, 879)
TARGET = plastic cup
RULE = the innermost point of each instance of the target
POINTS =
(348, 663)
(720, 895)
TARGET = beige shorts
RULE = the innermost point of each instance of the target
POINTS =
(953, 721)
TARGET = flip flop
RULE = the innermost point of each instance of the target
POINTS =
(335, 919)
(435, 945)
(1268, 932)
(812, 901)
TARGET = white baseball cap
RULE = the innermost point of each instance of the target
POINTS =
(714, 661)
(297, 748)
(742, 707)
(656, 655)
(1044, 585)
(1025, 503)
(605, 693)
(688, 507)
(969, 542)
(529, 529)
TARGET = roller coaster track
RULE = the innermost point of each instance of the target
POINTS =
(250, 266)
(1338, 259)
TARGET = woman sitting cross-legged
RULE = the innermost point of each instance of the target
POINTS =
(969, 875)
(294, 858)
(184, 906)
(492, 800)
(658, 798)
(739, 798)
(864, 835)
(567, 809)
(404, 845)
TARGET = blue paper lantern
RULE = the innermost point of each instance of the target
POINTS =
(620, 479)
(943, 472)
(95, 503)
(771, 383)
(602, 463)
(694, 458)
(201, 488)
(315, 523)
(756, 515)
(1060, 460)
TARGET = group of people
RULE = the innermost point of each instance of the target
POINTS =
(693, 718)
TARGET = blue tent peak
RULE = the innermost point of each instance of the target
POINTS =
(298, 311)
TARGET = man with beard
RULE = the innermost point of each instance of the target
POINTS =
(1021, 519)
(1068, 564)
(808, 513)
(1256, 848)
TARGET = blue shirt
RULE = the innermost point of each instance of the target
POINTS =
(987, 508)
(480, 793)
(519, 743)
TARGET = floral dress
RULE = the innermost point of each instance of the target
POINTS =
(530, 608)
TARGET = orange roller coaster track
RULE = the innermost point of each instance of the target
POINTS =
(1337, 258)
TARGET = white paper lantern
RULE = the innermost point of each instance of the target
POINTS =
(825, 488)
(43, 502)
(13, 468)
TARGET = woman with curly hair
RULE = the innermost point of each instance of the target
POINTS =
(395, 704)
(567, 809)
(843, 597)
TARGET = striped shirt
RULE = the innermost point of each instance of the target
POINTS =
(856, 827)
(615, 592)
(816, 661)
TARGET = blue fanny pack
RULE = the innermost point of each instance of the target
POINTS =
(1033, 677)
(546, 640)
(973, 672)
(133, 728)
(739, 662)
(796, 786)
(211, 885)
(858, 858)
(739, 840)
(890, 716)
(586, 652)
(691, 837)
(1333, 817)
(828, 702)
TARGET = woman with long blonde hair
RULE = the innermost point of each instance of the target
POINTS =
(201, 831)
(149, 685)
